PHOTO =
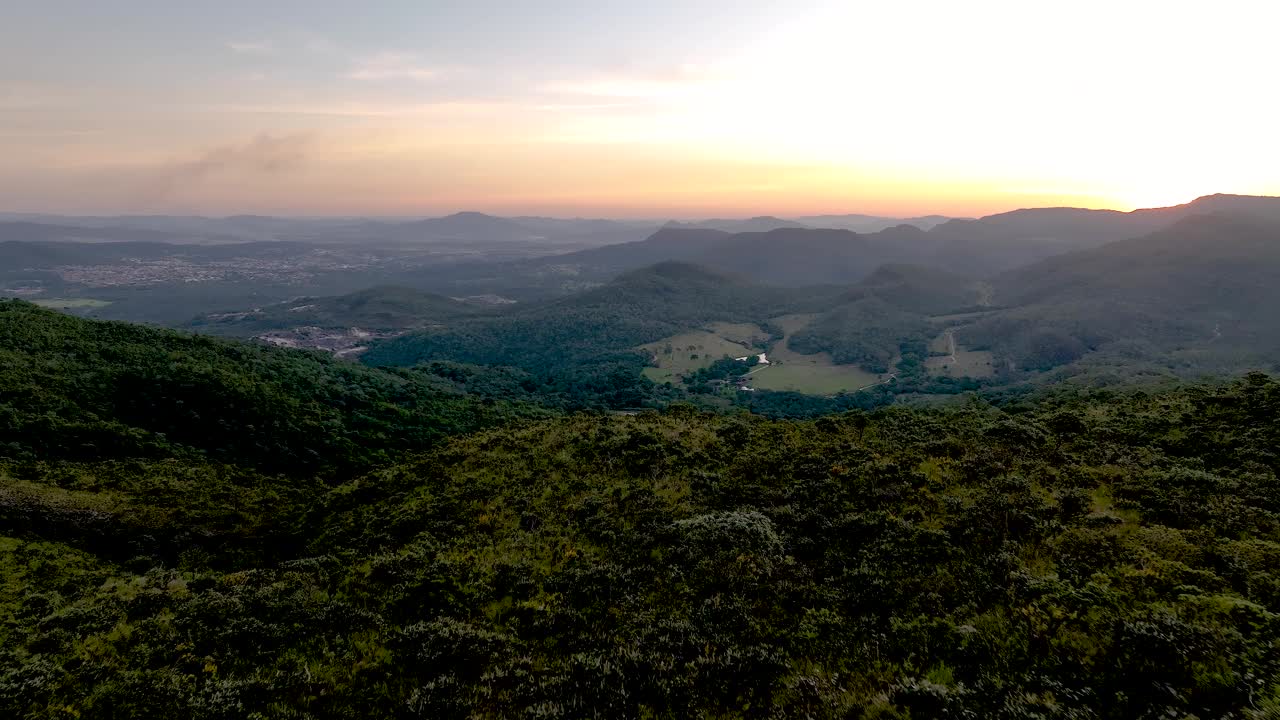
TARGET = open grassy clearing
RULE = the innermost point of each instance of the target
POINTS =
(781, 351)
(71, 303)
(660, 375)
(690, 351)
(815, 374)
(958, 362)
(782, 354)
(812, 378)
(967, 363)
(793, 323)
(942, 344)
(742, 333)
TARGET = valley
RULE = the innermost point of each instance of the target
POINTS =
(837, 312)
(709, 360)
(948, 359)
(786, 370)
(500, 483)
(216, 518)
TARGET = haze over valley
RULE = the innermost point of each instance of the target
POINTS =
(935, 307)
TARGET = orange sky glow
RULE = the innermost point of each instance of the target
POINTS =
(684, 110)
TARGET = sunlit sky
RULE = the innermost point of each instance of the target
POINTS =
(659, 108)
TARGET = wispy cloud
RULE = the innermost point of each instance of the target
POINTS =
(391, 66)
(251, 47)
(264, 155)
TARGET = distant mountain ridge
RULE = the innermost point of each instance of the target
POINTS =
(762, 223)
(870, 223)
(30, 232)
(979, 248)
(1179, 289)
(465, 226)
(1185, 298)
(1042, 223)
(603, 325)
(1197, 289)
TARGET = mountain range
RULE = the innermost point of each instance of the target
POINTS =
(707, 489)
(467, 226)
(1197, 289)
(1184, 298)
(1171, 290)
(981, 248)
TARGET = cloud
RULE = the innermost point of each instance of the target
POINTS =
(391, 66)
(264, 155)
(244, 47)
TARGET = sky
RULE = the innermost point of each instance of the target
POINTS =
(672, 108)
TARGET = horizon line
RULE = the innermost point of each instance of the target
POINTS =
(11, 215)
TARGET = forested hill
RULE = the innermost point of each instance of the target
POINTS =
(778, 253)
(88, 390)
(1202, 261)
(1104, 556)
(919, 289)
(383, 308)
(1192, 293)
(584, 345)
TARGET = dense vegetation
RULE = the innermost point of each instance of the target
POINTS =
(1185, 297)
(866, 332)
(1094, 555)
(383, 308)
(83, 390)
(1177, 302)
(193, 527)
(582, 350)
(884, 323)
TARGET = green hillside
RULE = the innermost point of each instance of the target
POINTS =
(591, 348)
(87, 390)
(888, 317)
(920, 289)
(1102, 555)
(1189, 296)
(384, 308)
(585, 347)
